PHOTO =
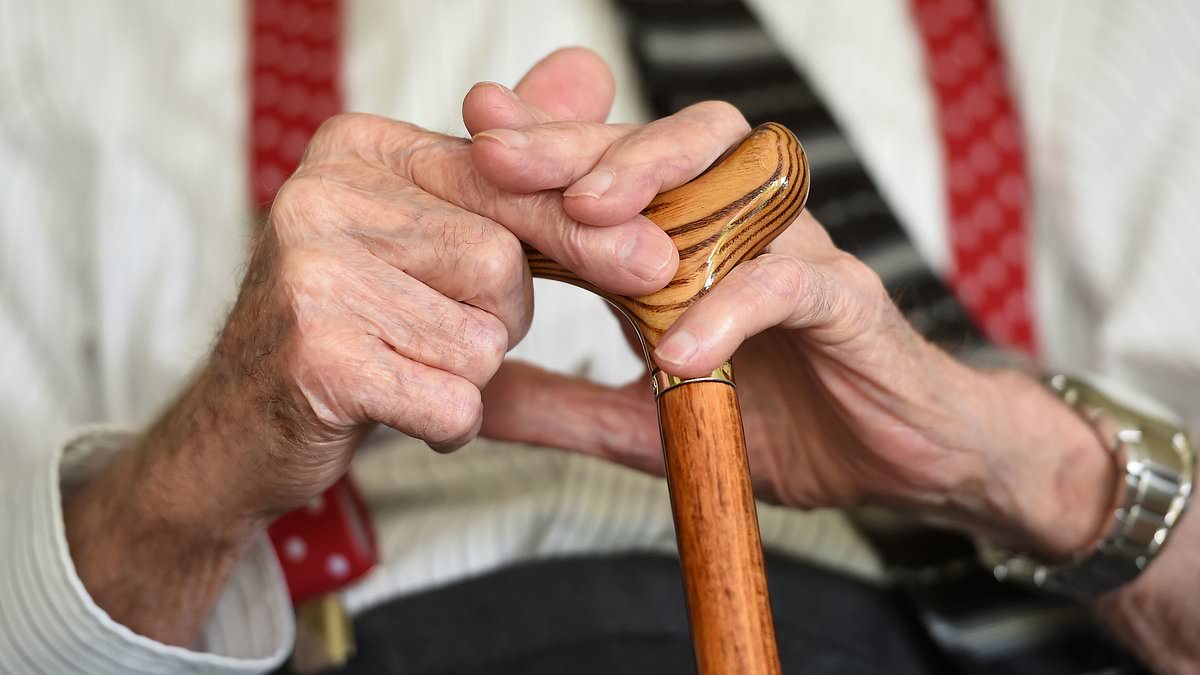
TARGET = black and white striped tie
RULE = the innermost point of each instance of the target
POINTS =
(691, 51)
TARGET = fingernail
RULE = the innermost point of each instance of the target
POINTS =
(678, 348)
(509, 138)
(503, 90)
(593, 185)
(499, 87)
(646, 256)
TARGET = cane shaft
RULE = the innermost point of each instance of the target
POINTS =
(716, 527)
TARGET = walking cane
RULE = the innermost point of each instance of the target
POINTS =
(726, 215)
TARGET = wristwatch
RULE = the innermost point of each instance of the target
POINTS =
(1156, 464)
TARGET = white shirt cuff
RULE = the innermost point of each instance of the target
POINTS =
(48, 621)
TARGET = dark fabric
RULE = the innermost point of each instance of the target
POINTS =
(625, 614)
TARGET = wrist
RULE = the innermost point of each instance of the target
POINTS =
(190, 473)
(199, 458)
(153, 554)
(151, 491)
(1042, 481)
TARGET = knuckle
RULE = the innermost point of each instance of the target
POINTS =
(302, 205)
(779, 276)
(684, 143)
(499, 262)
(337, 130)
(501, 283)
(364, 136)
(318, 202)
(342, 123)
(864, 288)
(487, 343)
(334, 133)
(429, 159)
(858, 274)
(647, 157)
(291, 196)
(573, 248)
(797, 284)
(720, 114)
(456, 418)
(470, 344)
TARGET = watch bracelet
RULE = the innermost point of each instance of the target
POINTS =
(1156, 463)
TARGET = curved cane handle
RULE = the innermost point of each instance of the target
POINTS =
(725, 216)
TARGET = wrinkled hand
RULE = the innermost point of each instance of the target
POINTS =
(389, 279)
(820, 388)
(844, 402)
(837, 390)
(387, 285)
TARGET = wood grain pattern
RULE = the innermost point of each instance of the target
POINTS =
(726, 215)
(716, 527)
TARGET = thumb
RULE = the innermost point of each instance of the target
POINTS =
(526, 404)
(573, 83)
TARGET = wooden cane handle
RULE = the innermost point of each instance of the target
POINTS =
(725, 216)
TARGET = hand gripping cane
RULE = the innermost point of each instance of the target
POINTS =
(725, 216)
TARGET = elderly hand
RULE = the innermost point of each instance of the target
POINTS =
(385, 287)
(844, 402)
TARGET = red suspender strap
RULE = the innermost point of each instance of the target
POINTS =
(295, 68)
(987, 187)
